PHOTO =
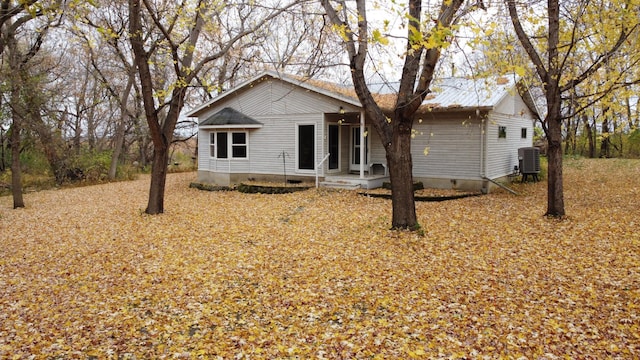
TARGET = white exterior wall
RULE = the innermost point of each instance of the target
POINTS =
(502, 153)
(454, 147)
(377, 153)
(274, 97)
(280, 107)
(461, 145)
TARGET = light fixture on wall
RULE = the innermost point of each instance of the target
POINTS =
(341, 112)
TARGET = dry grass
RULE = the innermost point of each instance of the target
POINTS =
(317, 274)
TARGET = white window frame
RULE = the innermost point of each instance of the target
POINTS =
(233, 145)
(213, 144)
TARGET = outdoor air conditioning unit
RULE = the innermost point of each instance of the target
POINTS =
(529, 160)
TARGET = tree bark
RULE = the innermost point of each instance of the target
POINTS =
(121, 126)
(158, 180)
(605, 143)
(591, 138)
(401, 177)
(555, 193)
(16, 169)
(51, 143)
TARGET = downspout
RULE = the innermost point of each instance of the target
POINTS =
(483, 152)
(482, 149)
(362, 145)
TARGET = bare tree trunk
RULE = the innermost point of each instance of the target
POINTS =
(401, 177)
(51, 143)
(121, 126)
(591, 139)
(3, 164)
(158, 180)
(16, 169)
(555, 194)
(605, 148)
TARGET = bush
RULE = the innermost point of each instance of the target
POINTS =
(34, 162)
(94, 165)
(209, 187)
(181, 162)
(127, 172)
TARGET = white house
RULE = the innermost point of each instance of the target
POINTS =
(274, 125)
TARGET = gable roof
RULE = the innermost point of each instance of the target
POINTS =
(229, 116)
(335, 91)
(447, 94)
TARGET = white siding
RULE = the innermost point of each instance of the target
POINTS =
(203, 150)
(378, 155)
(455, 139)
(502, 153)
(208, 163)
(274, 97)
(454, 147)
(278, 136)
(280, 107)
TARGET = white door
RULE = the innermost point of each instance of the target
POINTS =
(354, 164)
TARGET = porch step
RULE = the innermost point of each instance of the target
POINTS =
(347, 185)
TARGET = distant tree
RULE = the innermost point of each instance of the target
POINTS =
(427, 34)
(557, 50)
(21, 44)
(102, 36)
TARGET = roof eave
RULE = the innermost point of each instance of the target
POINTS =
(426, 109)
(215, 127)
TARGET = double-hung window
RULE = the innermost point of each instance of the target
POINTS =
(239, 145)
(224, 143)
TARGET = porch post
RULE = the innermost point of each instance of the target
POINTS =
(362, 147)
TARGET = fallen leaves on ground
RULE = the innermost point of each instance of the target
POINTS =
(318, 274)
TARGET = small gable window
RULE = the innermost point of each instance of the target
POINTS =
(502, 132)
(523, 133)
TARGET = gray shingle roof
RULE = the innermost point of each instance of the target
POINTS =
(229, 116)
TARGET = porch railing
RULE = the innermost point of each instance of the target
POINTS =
(318, 167)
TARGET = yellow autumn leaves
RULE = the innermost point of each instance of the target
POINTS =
(317, 274)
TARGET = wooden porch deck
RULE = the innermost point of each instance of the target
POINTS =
(353, 181)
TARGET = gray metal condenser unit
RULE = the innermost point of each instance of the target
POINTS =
(529, 160)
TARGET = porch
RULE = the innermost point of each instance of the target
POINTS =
(354, 181)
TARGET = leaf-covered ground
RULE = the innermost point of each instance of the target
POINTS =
(317, 274)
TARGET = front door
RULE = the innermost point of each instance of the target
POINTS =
(354, 164)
